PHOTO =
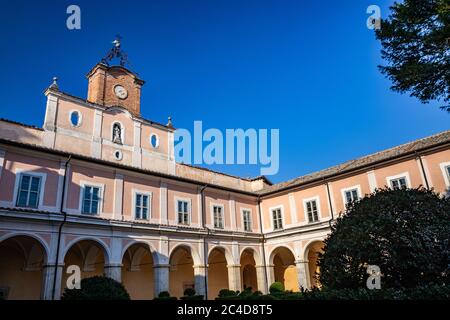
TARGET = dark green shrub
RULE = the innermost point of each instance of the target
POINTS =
(276, 287)
(97, 288)
(405, 232)
(189, 292)
(165, 295)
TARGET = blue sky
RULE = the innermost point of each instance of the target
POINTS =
(308, 68)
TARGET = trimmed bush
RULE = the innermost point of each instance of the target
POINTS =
(190, 294)
(276, 287)
(165, 295)
(405, 232)
(97, 288)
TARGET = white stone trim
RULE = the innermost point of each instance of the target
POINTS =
(80, 118)
(96, 147)
(372, 180)
(232, 205)
(2, 161)
(443, 167)
(83, 184)
(42, 175)
(163, 210)
(134, 192)
(189, 201)
(62, 169)
(137, 149)
(283, 220)
(398, 176)
(292, 208)
(344, 190)
(211, 209)
(118, 197)
(319, 209)
(150, 140)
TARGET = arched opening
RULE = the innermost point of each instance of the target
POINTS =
(284, 267)
(21, 268)
(181, 274)
(312, 252)
(248, 270)
(89, 255)
(137, 272)
(217, 272)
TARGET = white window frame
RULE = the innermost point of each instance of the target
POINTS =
(134, 193)
(42, 175)
(84, 184)
(358, 191)
(281, 208)
(443, 167)
(122, 131)
(150, 141)
(250, 219)
(319, 209)
(212, 215)
(80, 118)
(189, 202)
(398, 176)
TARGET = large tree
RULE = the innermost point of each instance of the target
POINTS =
(416, 46)
(406, 233)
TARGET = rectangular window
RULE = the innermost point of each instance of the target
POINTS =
(398, 183)
(351, 195)
(29, 189)
(312, 211)
(448, 172)
(142, 206)
(91, 200)
(218, 217)
(277, 219)
(246, 217)
(183, 212)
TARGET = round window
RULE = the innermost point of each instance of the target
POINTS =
(75, 118)
(154, 141)
(118, 155)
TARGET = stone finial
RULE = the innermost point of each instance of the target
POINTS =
(169, 122)
(54, 85)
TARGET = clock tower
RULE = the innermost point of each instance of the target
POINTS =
(115, 85)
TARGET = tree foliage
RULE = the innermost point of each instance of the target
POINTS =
(405, 232)
(416, 44)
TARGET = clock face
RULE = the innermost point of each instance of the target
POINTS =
(120, 92)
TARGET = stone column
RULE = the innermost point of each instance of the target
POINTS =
(261, 279)
(48, 274)
(270, 275)
(234, 277)
(161, 281)
(201, 278)
(114, 271)
(302, 273)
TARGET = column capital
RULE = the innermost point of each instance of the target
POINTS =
(301, 261)
(200, 266)
(113, 265)
(233, 266)
(161, 266)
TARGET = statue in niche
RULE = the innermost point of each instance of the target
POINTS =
(117, 133)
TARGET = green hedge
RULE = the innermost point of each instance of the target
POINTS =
(431, 292)
(97, 288)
